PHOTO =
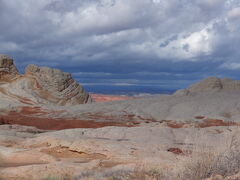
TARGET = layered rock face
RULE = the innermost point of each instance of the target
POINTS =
(211, 84)
(39, 85)
(58, 86)
(8, 71)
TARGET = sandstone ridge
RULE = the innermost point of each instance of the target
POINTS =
(42, 85)
(211, 84)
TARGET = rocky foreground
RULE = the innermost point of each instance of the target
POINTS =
(50, 128)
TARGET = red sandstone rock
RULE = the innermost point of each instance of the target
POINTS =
(21, 118)
(175, 151)
(216, 122)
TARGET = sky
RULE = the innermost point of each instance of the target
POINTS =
(145, 46)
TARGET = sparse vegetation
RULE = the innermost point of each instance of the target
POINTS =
(207, 163)
(1, 159)
(200, 165)
(54, 177)
(1, 164)
(140, 174)
(227, 115)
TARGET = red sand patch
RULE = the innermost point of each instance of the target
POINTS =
(216, 122)
(55, 124)
(175, 151)
(105, 98)
(199, 117)
(179, 151)
(38, 117)
(173, 124)
(30, 116)
(202, 124)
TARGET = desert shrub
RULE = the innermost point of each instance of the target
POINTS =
(105, 175)
(1, 159)
(228, 162)
(196, 167)
(202, 163)
(54, 177)
(206, 163)
(138, 173)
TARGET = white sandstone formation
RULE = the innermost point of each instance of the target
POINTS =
(39, 85)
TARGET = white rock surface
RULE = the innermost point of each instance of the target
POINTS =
(73, 151)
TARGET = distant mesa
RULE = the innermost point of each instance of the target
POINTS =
(40, 85)
(107, 98)
(211, 84)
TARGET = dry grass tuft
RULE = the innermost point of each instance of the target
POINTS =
(140, 172)
(122, 175)
(54, 177)
(206, 163)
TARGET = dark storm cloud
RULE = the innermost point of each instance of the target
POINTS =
(130, 41)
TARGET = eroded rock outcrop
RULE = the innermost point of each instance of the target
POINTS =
(211, 84)
(39, 85)
(58, 86)
(8, 71)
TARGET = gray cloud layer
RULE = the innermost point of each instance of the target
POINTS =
(140, 41)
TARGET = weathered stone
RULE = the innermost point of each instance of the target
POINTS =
(8, 71)
(211, 84)
(40, 85)
(208, 84)
(60, 85)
